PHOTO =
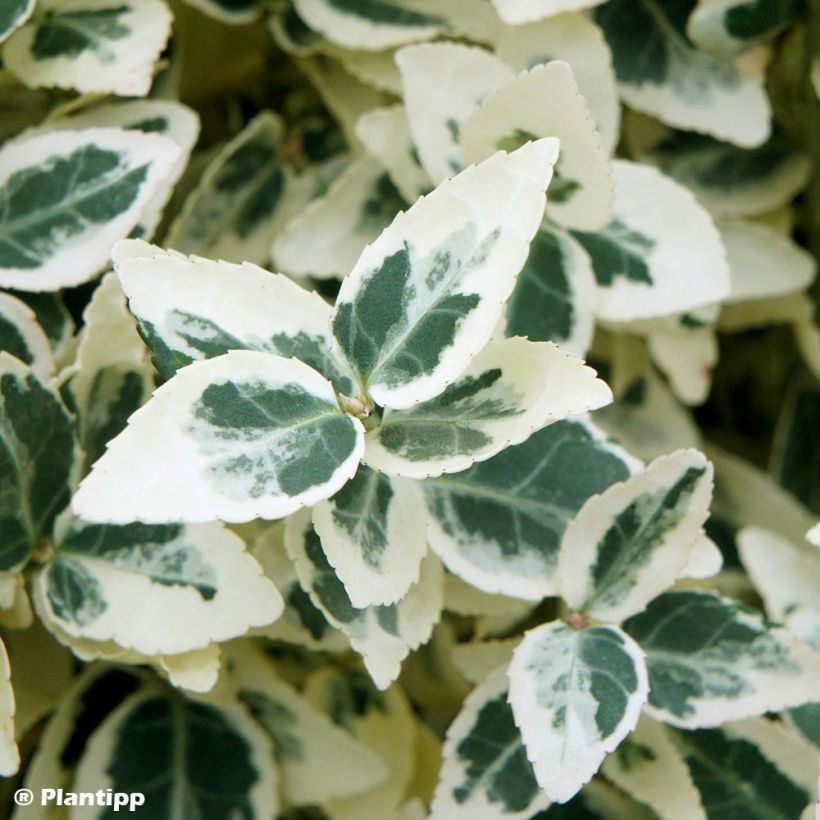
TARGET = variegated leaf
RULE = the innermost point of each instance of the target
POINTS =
(512, 388)
(329, 235)
(546, 102)
(189, 308)
(425, 297)
(516, 12)
(687, 356)
(554, 296)
(575, 695)
(444, 84)
(711, 659)
(68, 196)
(245, 435)
(660, 255)
(235, 210)
(107, 46)
(499, 524)
(705, 559)
(376, 68)
(22, 337)
(232, 12)
(54, 319)
(374, 534)
(195, 585)
(486, 774)
(13, 14)
(627, 545)
(383, 635)
(9, 754)
(660, 72)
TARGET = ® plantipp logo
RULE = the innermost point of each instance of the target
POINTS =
(128, 801)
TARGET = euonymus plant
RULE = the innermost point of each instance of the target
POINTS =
(498, 499)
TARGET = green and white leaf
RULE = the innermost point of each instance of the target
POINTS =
(195, 585)
(9, 755)
(68, 196)
(687, 356)
(196, 671)
(660, 255)
(661, 73)
(13, 14)
(575, 695)
(486, 774)
(577, 40)
(22, 337)
(189, 308)
(236, 208)
(374, 535)
(499, 524)
(318, 760)
(164, 747)
(385, 133)
(546, 102)
(517, 12)
(105, 46)
(426, 296)
(805, 720)
(444, 84)
(649, 767)
(627, 545)
(329, 235)
(245, 435)
(232, 12)
(383, 635)
(37, 461)
(712, 659)
(54, 319)
(512, 388)
(555, 293)
(705, 559)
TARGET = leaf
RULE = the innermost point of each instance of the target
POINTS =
(806, 720)
(373, 533)
(687, 356)
(106, 46)
(9, 754)
(711, 660)
(575, 695)
(68, 196)
(162, 747)
(512, 388)
(554, 295)
(245, 435)
(189, 308)
(195, 585)
(444, 84)
(13, 14)
(486, 774)
(232, 12)
(37, 454)
(705, 559)
(53, 318)
(22, 337)
(516, 12)
(499, 524)
(659, 72)
(327, 237)
(424, 298)
(660, 255)
(235, 209)
(383, 635)
(546, 102)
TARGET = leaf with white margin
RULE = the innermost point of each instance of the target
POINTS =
(54, 319)
(382, 635)
(68, 196)
(13, 14)
(22, 337)
(546, 102)
(374, 534)
(577, 40)
(555, 293)
(163, 747)
(712, 659)
(687, 356)
(232, 12)
(575, 695)
(806, 721)
(329, 235)
(512, 388)
(37, 461)
(385, 133)
(444, 84)
(318, 760)
(660, 72)
(235, 209)
(705, 559)
(195, 585)
(661, 254)
(499, 524)
(106, 46)
(486, 774)
(517, 12)
(9, 755)
(245, 435)
(628, 544)
(196, 671)
(426, 296)
(648, 766)
(189, 308)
